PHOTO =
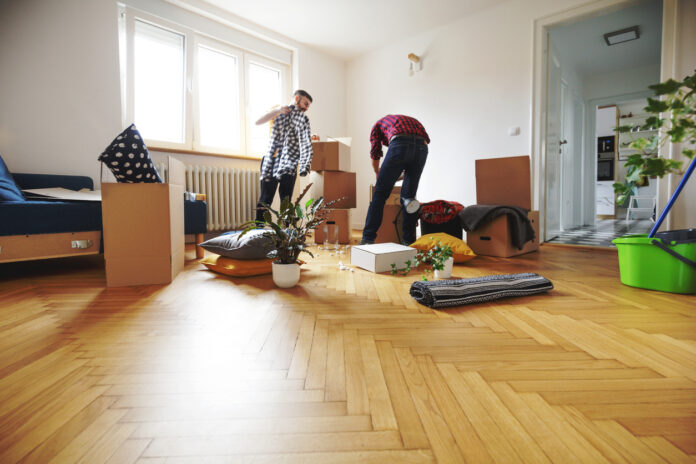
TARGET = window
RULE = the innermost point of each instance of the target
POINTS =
(188, 91)
(158, 82)
(264, 92)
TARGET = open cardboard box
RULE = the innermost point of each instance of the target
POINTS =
(503, 181)
(144, 230)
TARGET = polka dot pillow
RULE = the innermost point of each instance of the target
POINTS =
(128, 158)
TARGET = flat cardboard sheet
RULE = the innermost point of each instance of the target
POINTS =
(504, 181)
(59, 193)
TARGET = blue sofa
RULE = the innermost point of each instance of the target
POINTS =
(35, 229)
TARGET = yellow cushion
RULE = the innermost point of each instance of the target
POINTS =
(460, 250)
(237, 267)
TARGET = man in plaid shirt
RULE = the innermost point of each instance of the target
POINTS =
(408, 150)
(290, 146)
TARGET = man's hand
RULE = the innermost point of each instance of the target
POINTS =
(285, 109)
(375, 166)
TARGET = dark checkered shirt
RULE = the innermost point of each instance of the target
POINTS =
(290, 145)
(391, 125)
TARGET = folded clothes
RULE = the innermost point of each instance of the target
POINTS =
(446, 293)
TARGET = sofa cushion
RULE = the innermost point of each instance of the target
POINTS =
(128, 158)
(8, 188)
(49, 217)
(252, 245)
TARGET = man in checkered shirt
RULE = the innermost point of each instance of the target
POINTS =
(290, 145)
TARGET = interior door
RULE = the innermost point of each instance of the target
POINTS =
(552, 210)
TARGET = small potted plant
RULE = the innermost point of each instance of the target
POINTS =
(441, 260)
(288, 228)
(439, 257)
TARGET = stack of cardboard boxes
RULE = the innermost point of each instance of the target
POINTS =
(331, 178)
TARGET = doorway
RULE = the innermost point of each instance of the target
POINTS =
(582, 70)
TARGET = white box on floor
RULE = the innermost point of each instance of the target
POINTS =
(380, 256)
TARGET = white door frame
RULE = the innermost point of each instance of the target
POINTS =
(541, 26)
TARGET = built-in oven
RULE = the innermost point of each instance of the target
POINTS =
(605, 166)
(605, 158)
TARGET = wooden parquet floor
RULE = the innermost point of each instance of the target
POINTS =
(344, 368)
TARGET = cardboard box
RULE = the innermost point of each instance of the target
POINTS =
(380, 257)
(342, 219)
(330, 156)
(144, 230)
(495, 238)
(394, 197)
(387, 232)
(333, 185)
(506, 182)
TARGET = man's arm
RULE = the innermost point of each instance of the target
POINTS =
(375, 166)
(272, 114)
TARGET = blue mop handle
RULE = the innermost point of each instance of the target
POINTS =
(676, 193)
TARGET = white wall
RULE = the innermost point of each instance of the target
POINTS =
(475, 84)
(60, 84)
(60, 91)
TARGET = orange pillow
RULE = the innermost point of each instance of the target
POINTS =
(460, 250)
(238, 267)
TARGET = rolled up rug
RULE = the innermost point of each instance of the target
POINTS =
(447, 293)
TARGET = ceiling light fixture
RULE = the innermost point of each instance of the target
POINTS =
(623, 35)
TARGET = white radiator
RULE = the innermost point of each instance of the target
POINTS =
(231, 194)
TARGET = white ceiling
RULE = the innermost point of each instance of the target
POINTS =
(582, 43)
(348, 28)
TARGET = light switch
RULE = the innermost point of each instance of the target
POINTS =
(513, 131)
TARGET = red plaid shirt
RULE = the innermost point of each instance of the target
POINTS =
(391, 125)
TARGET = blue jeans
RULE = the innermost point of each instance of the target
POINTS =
(406, 154)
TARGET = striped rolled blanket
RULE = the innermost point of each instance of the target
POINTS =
(446, 293)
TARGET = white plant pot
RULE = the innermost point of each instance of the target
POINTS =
(286, 275)
(446, 273)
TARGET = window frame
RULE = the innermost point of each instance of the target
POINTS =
(192, 40)
(284, 71)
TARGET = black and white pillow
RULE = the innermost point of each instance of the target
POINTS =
(128, 158)
(253, 245)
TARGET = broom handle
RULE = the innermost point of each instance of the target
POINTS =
(676, 193)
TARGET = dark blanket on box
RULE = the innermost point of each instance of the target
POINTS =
(475, 216)
(447, 293)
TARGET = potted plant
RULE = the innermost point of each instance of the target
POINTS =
(288, 228)
(677, 98)
(439, 257)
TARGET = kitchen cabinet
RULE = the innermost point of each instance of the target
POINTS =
(604, 198)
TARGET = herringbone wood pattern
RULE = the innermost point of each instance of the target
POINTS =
(344, 368)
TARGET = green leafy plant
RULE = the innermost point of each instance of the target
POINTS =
(290, 225)
(436, 256)
(677, 98)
